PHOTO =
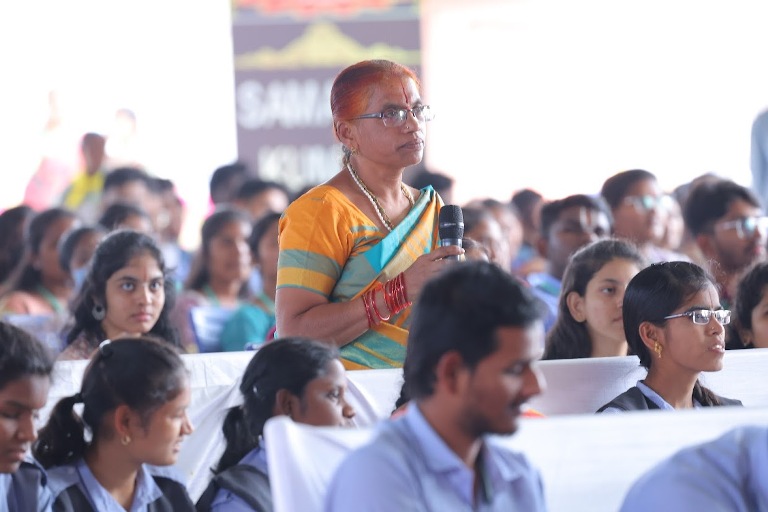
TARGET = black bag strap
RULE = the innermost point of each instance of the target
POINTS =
(244, 481)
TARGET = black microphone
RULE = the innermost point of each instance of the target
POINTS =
(451, 227)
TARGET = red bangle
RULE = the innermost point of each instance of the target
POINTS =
(376, 288)
(371, 321)
(404, 290)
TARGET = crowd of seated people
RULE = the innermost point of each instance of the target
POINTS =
(351, 275)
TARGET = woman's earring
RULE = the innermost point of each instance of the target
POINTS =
(657, 348)
(98, 312)
(125, 440)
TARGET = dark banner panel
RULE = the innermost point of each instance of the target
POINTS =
(287, 54)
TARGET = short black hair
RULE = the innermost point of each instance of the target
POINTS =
(123, 175)
(117, 213)
(461, 309)
(438, 181)
(709, 201)
(21, 354)
(615, 188)
(255, 186)
(551, 211)
(224, 174)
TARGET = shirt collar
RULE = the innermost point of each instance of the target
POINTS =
(146, 491)
(441, 458)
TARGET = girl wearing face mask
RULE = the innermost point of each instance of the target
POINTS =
(76, 249)
(126, 293)
(296, 377)
(25, 377)
(673, 321)
(135, 394)
(589, 321)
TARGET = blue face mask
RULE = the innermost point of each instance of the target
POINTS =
(79, 275)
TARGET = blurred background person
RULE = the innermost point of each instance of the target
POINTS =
(38, 284)
(730, 228)
(220, 271)
(528, 204)
(13, 223)
(567, 225)
(258, 198)
(749, 322)
(125, 216)
(637, 205)
(83, 195)
(76, 248)
(253, 323)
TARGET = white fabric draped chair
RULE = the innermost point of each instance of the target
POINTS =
(587, 462)
(573, 387)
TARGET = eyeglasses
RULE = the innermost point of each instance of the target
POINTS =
(395, 117)
(746, 226)
(702, 316)
(647, 202)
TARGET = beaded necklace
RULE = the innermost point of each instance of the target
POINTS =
(375, 200)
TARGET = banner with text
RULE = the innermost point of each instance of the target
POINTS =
(287, 54)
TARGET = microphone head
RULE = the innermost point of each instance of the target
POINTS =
(451, 222)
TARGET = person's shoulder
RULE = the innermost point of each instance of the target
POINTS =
(630, 400)
(61, 478)
(30, 485)
(389, 446)
(510, 462)
(716, 475)
(169, 473)
(19, 302)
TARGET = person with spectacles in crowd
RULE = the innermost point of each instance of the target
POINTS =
(640, 211)
(356, 251)
(674, 323)
(730, 229)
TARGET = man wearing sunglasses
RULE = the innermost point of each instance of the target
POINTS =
(730, 228)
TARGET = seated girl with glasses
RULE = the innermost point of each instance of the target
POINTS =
(356, 251)
(674, 323)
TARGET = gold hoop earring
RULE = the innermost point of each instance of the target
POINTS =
(125, 440)
(657, 348)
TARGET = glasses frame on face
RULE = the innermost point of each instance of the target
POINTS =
(647, 202)
(703, 316)
(394, 117)
(744, 225)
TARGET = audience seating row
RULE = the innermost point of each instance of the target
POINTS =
(573, 387)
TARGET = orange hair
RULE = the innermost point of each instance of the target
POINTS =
(353, 86)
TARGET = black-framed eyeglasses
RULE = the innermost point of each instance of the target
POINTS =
(395, 117)
(702, 316)
(746, 226)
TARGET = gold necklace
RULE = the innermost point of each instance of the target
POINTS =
(375, 200)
